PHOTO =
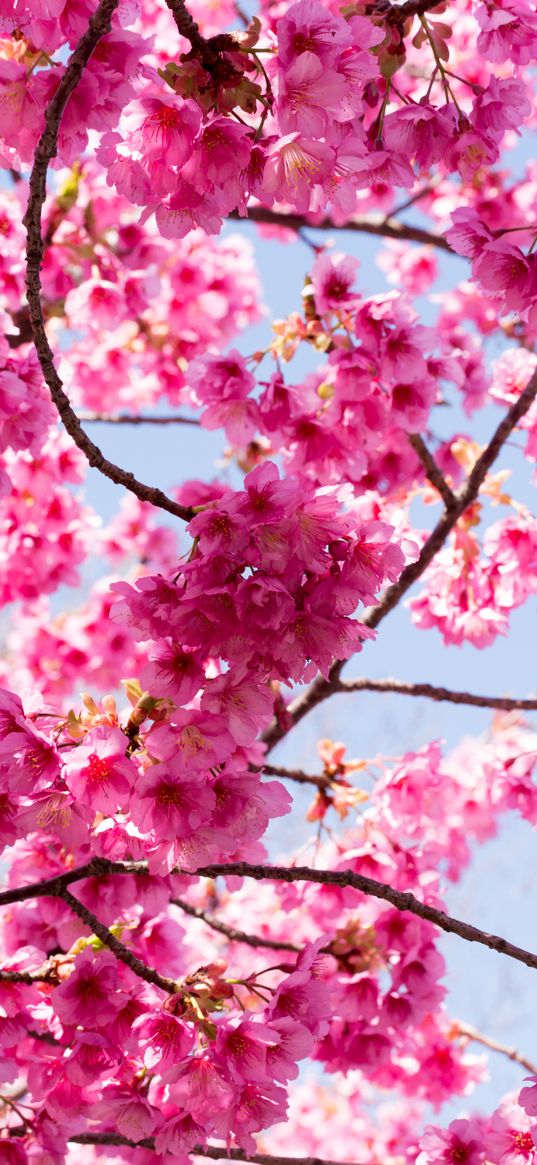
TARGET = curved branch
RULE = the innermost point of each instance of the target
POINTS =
(401, 900)
(46, 149)
(321, 688)
(477, 1037)
(231, 932)
(387, 228)
(441, 695)
(118, 948)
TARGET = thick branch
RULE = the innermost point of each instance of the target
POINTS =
(387, 228)
(132, 419)
(47, 973)
(231, 932)
(53, 887)
(321, 688)
(477, 1037)
(215, 1152)
(442, 695)
(46, 149)
(432, 471)
(400, 899)
(118, 948)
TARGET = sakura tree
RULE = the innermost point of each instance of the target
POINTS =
(171, 987)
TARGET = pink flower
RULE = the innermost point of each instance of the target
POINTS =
(193, 740)
(99, 774)
(508, 31)
(170, 804)
(302, 996)
(90, 996)
(216, 378)
(460, 1144)
(246, 706)
(165, 1041)
(332, 277)
(179, 1135)
(510, 1138)
(309, 26)
(173, 671)
(162, 129)
(295, 166)
(527, 1097)
(308, 95)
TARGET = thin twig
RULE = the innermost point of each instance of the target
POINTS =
(401, 900)
(231, 932)
(322, 688)
(432, 470)
(388, 228)
(46, 150)
(477, 1037)
(441, 695)
(118, 948)
(299, 776)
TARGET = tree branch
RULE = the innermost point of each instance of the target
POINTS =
(132, 419)
(118, 948)
(477, 1037)
(234, 935)
(207, 50)
(432, 471)
(216, 1152)
(53, 887)
(401, 900)
(47, 973)
(46, 149)
(441, 695)
(320, 780)
(388, 228)
(321, 688)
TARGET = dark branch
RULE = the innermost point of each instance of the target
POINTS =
(441, 695)
(231, 932)
(206, 50)
(320, 780)
(46, 150)
(400, 899)
(53, 887)
(119, 949)
(216, 1152)
(47, 973)
(132, 419)
(322, 688)
(432, 471)
(387, 228)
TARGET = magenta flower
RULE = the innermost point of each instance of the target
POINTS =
(99, 774)
(460, 1144)
(165, 1040)
(169, 804)
(90, 996)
